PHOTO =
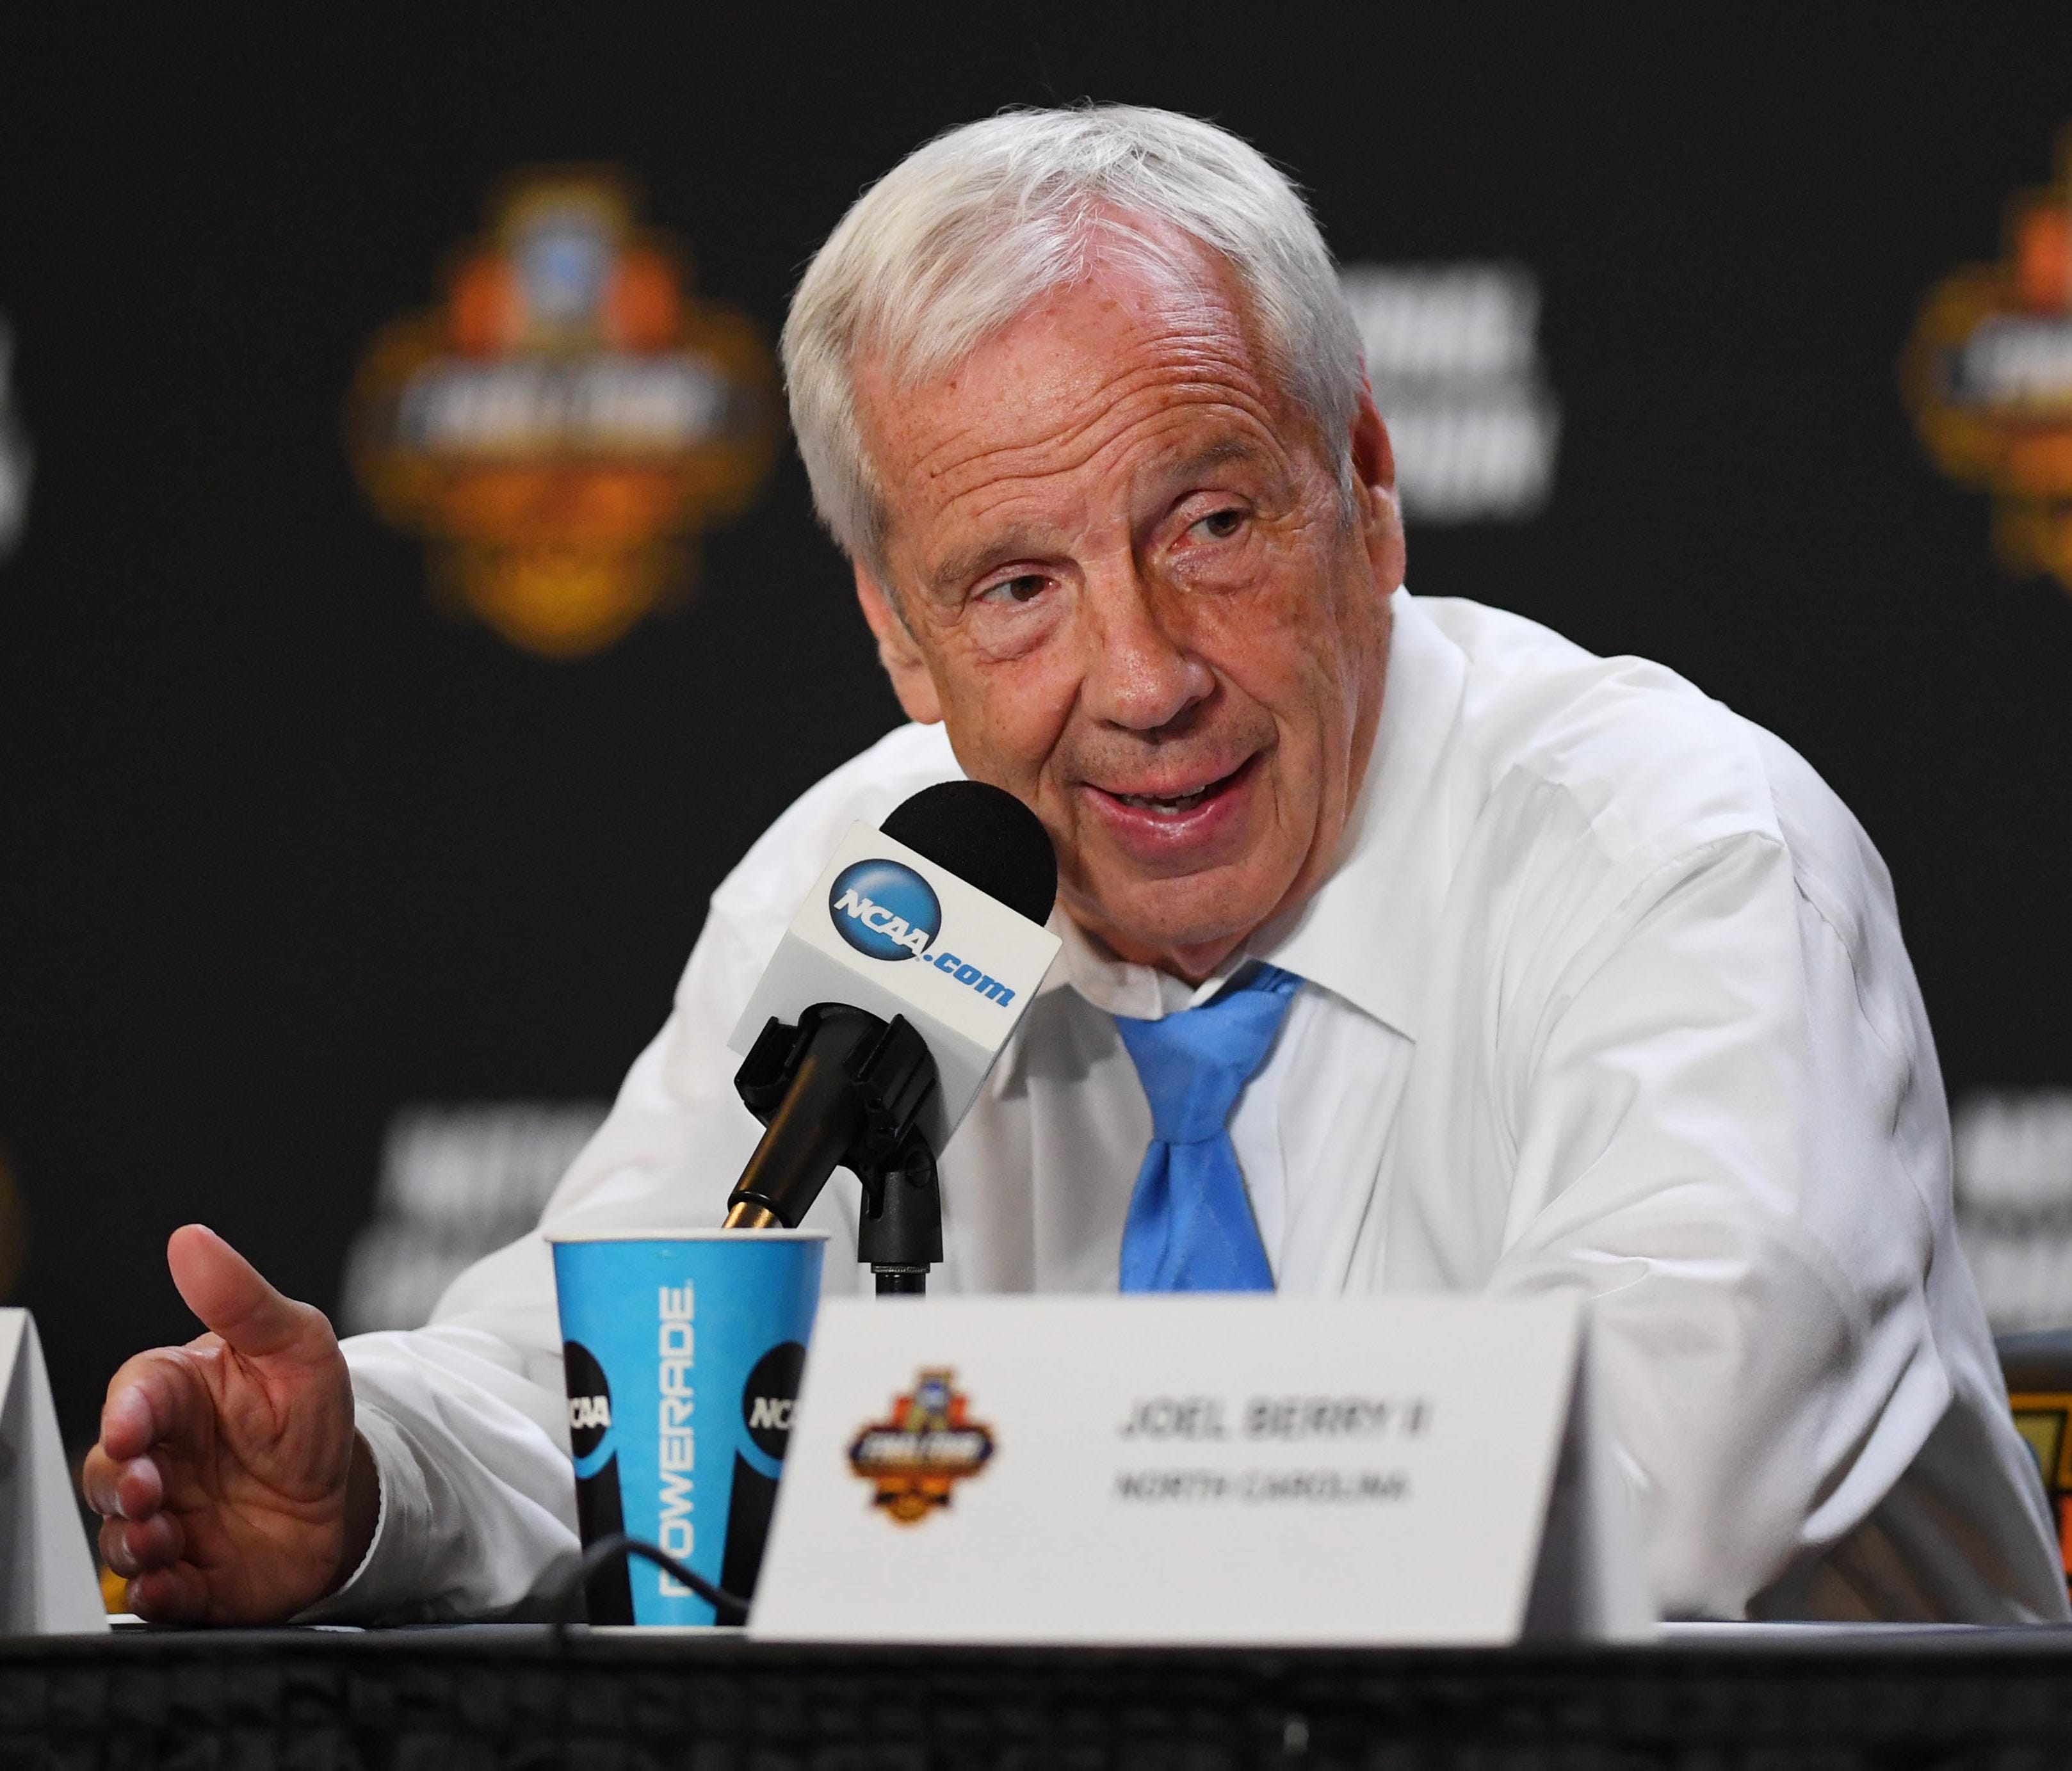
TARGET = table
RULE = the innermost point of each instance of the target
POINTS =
(495, 1696)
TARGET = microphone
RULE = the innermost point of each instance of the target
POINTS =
(904, 973)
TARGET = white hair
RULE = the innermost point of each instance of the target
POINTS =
(969, 232)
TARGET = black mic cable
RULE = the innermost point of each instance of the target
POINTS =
(570, 1606)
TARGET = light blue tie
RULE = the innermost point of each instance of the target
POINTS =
(1190, 1227)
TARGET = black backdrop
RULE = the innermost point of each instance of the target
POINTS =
(281, 847)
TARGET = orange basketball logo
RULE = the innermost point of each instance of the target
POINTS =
(915, 1459)
(563, 427)
(1988, 376)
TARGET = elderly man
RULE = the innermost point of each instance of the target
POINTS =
(1515, 969)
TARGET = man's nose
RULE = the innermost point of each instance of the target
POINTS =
(1141, 675)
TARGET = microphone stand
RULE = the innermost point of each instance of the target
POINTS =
(901, 1230)
(844, 1089)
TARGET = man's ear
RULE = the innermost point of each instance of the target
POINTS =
(898, 652)
(1374, 473)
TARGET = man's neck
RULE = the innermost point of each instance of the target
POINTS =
(1194, 964)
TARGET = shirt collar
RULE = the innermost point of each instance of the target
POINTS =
(1364, 933)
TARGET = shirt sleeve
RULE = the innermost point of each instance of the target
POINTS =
(1729, 1130)
(466, 1418)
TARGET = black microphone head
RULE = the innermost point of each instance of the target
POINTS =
(987, 837)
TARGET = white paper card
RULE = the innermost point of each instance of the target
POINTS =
(48, 1585)
(1199, 1469)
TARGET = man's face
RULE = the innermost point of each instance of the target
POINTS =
(1131, 590)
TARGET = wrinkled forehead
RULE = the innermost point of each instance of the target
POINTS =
(1137, 352)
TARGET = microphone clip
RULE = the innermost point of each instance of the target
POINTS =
(844, 1088)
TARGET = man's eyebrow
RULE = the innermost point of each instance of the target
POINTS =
(1215, 454)
(961, 569)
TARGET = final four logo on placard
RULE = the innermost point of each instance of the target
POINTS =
(915, 1459)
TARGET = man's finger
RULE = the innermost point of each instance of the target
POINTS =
(96, 1482)
(132, 1489)
(148, 1401)
(229, 1294)
(115, 1548)
(156, 1543)
(174, 1594)
(133, 1549)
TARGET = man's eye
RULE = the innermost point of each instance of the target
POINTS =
(1025, 589)
(1220, 525)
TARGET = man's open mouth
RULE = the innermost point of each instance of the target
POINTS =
(1179, 804)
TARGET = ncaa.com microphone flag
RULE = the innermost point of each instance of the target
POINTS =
(889, 931)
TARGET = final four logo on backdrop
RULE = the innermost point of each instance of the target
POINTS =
(565, 425)
(1988, 375)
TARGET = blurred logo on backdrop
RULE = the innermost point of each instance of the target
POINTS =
(456, 1183)
(2011, 1154)
(1987, 374)
(565, 425)
(1452, 351)
(14, 459)
(2012, 1159)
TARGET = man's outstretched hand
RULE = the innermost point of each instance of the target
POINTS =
(232, 1485)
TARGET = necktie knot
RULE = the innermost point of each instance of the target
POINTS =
(1193, 1065)
(1191, 1226)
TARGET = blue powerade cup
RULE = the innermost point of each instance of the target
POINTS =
(683, 1350)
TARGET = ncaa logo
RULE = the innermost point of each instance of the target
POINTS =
(884, 909)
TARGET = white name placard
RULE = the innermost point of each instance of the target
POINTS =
(1199, 1469)
(48, 1585)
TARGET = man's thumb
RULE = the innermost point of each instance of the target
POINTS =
(227, 1292)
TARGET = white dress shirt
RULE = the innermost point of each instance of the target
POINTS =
(1606, 993)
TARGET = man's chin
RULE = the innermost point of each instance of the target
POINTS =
(1186, 926)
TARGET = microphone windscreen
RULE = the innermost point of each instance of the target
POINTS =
(985, 837)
